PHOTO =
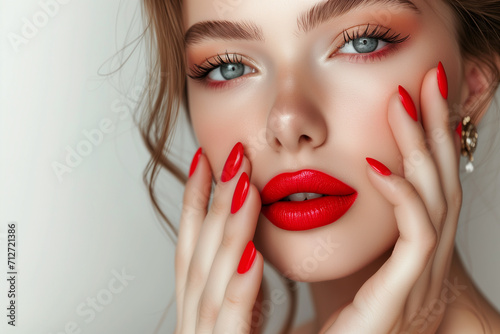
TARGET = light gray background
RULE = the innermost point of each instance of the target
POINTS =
(76, 232)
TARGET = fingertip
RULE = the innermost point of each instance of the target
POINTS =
(382, 178)
(251, 262)
(259, 261)
(201, 167)
(256, 270)
(434, 92)
(400, 120)
(248, 202)
(395, 103)
(378, 167)
(240, 193)
(236, 163)
(435, 82)
(194, 161)
(233, 163)
(408, 104)
(254, 197)
(199, 183)
(430, 84)
(247, 258)
(442, 79)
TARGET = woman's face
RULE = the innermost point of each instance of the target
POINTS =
(300, 98)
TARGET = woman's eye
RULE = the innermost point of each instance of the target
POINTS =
(362, 45)
(229, 71)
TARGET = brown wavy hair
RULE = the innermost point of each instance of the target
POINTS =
(477, 24)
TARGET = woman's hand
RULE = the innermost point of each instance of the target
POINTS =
(426, 203)
(216, 287)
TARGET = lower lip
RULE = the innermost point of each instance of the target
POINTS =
(306, 215)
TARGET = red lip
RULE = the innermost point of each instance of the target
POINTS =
(308, 214)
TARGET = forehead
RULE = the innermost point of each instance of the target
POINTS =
(297, 10)
(254, 19)
(199, 10)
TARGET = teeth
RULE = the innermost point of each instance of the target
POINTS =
(313, 195)
(297, 197)
(302, 197)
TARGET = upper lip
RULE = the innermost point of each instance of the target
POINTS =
(303, 181)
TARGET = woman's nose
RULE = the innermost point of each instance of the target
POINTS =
(295, 121)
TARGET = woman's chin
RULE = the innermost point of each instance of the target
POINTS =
(319, 254)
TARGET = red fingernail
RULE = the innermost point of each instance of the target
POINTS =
(379, 167)
(408, 103)
(233, 163)
(442, 81)
(247, 258)
(459, 130)
(240, 193)
(194, 163)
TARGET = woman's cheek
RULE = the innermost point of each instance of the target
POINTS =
(220, 119)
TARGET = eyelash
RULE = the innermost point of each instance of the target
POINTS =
(378, 33)
(200, 72)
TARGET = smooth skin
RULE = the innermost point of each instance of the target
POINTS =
(397, 241)
(209, 248)
(411, 278)
(425, 201)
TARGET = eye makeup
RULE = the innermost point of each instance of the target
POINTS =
(384, 39)
(374, 35)
(199, 72)
(230, 62)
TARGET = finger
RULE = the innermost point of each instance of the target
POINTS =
(441, 139)
(419, 166)
(390, 286)
(420, 170)
(440, 136)
(239, 229)
(236, 312)
(196, 197)
(208, 242)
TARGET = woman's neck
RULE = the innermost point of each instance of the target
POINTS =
(329, 297)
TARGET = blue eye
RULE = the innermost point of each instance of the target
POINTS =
(363, 45)
(225, 68)
(229, 71)
(368, 39)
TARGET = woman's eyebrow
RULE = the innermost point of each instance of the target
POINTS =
(318, 14)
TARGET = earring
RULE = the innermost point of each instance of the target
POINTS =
(469, 142)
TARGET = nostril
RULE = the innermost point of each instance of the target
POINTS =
(305, 138)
